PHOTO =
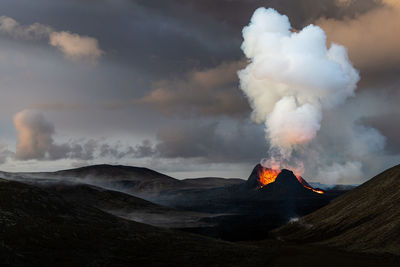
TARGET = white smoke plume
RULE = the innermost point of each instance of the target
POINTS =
(291, 80)
(340, 172)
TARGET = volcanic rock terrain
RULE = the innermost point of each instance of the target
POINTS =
(366, 219)
(47, 222)
(231, 209)
(39, 227)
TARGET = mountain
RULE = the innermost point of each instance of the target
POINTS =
(212, 182)
(135, 180)
(229, 209)
(366, 219)
(280, 184)
(39, 227)
(248, 211)
(127, 206)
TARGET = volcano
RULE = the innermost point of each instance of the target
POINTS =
(281, 182)
(231, 209)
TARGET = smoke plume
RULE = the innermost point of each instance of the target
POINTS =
(291, 80)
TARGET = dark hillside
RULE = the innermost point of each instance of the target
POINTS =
(366, 219)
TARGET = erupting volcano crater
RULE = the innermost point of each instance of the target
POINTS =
(263, 178)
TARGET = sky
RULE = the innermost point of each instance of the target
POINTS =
(155, 84)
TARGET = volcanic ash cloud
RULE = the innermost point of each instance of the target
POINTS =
(292, 78)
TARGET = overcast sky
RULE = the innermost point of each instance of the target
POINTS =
(154, 83)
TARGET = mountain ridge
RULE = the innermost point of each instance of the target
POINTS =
(365, 219)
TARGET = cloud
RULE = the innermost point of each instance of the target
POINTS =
(212, 142)
(143, 150)
(34, 135)
(208, 92)
(301, 12)
(341, 172)
(370, 37)
(346, 150)
(5, 153)
(13, 28)
(204, 142)
(36, 142)
(72, 45)
(389, 125)
(75, 46)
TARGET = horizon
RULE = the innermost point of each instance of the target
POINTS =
(181, 175)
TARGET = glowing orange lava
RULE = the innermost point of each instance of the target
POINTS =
(267, 176)
(306, 185)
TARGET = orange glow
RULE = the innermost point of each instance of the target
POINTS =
(306, 185)
(319, 191)
(267, 176)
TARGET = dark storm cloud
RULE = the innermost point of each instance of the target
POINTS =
(210, 92)
(301, 12)
(169, 37)
(212, 142)
(163, 41)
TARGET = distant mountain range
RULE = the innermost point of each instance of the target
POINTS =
(132, 179)
(231, 209)
(136, 180)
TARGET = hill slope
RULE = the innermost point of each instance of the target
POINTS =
(136, 180)
(40, 228)
(127, 206)
(366, 219)
(47, 227)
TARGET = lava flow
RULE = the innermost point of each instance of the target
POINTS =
(267, 176)
(306, 185)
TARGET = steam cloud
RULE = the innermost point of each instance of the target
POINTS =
(71, 45)
(291, 80)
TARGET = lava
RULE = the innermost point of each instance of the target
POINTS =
(267, 176)
(319, 191)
